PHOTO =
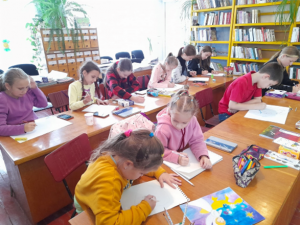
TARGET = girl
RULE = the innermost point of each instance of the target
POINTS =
(18, 95)
(180, 73)
(285, 58)
(113, 167)
(82, 92)
(202, 61)
(121, 82)
(177, 126)
(161, 74)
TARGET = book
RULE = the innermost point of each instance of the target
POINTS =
(213, 34)
(166, 197)
(276, 93)
(274, 132)
(220, 144)
(193, 168)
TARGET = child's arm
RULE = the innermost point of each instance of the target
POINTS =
(177, 74)
(193, 66)
(162, 177)
(39, 99)
(74, 104)
(156, 77)
(112, 82)
(133, 83)
(247, 105)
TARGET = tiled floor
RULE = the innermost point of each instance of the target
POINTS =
(12, 214)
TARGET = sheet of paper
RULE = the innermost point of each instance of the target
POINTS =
(216, 75)
(271, 113)
(100, 108)
(281, 92)
(166, 197)
(44, 125)
(198, 79)
(176, 87)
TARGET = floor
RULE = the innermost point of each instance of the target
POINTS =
(12, 214)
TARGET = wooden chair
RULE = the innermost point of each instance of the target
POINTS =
(59, 100)
(204, 98)
(143, 80)
(67, 158)
(103, 92)
(205, 129)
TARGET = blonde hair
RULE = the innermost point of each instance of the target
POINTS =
(183, 102)
(10, 76)
(289, 51)
(171, 60)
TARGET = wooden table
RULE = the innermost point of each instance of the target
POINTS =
(274, 193)
(35, 190)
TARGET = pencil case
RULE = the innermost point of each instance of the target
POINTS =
(291, 95)
(245, 179)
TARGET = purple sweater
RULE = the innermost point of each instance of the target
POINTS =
(14, 111)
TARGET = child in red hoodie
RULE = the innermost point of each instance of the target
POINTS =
(177, 126)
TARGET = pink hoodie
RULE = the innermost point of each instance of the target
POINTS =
(171, 138)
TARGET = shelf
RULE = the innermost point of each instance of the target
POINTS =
(258, 5)
(297, 23)
(296, 64)
(259, 24)
(219, 57)
(212, 9)
(208, 26)
(295, 43)
(260, 42)
(251, 60)
(215, 42)
(72, 50)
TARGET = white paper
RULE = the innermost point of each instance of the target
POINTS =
(271, 113)
(44, 125)
(280, 92)
(166, 197)
(55, 75)
(193, 168)
(198, 79)
(100, 108)
(176, 87)
(216, 75)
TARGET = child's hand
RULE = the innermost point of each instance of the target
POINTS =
(171, 85)
(232, 110)
(193, 73)
(32, 83)
(296, 88)
(205, 162)
(204, 72)
(29, 126)
(261, 105)
(183, 160)
(100, 102)
(87, 98)
(214, 72)
(169, 179)
(137, 99)
(151, 200)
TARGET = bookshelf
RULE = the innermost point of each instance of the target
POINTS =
(225, 29)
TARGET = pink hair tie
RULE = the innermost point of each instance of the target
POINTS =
(127, 133)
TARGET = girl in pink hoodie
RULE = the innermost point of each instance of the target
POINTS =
(177, 126)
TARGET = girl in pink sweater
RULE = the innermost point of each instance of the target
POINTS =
(177, 126)
(161, 73)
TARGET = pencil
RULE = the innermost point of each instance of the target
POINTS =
(183, 177)
(179, 154)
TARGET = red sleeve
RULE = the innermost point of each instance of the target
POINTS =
(237, 91)
(112, 82)
(257, 93)
(133, 84)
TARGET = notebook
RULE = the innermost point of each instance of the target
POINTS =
(198, 79)
(166, 197)
(274, 132)
(100, 108)
(193, 168)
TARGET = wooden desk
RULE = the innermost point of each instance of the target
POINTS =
(35, 190)
(55, 88)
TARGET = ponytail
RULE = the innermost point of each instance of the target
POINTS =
(171, 60)
(189, 50)
(180, 52)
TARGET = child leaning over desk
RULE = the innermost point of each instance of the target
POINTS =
(177, 126)
(245, 92)
(112, 169)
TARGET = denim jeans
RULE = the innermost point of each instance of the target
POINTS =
(223, 116)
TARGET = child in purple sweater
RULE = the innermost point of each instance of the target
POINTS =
(18, 95)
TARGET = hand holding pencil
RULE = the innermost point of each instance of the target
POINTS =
(151, 199)
(183, 159)
(29, 126)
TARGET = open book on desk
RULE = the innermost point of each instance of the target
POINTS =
(193, 168)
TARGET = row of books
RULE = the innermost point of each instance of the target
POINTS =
(250, 2)
(204, 34)
(246, 53)
(295, 35)
(207, 4)
(247, 17)
(216, 66)
(220, 18)
(245, 67)
(255, 34)
(294, 73)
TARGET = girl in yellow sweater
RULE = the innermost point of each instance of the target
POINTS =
(112, 169)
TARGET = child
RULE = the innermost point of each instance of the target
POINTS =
(121, 82)
(161, 74)
(285, 58)
(177, 126)
(113, 167)
(18, 95)
(245, 92)
(82, 92)
(201, 62)
(180, 73)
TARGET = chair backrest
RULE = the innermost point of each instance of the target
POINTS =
(106, 57)
(1, 71)
(122, 55)
(29, 69)
(143, 80)
(68, 157)
(136, 60)
(137, 54)
(103, 92)
(204, 97)
(59, 99)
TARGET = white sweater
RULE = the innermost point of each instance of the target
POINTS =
(177, 76)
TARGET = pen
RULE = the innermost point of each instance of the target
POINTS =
(271, 167)
(180, 154)
(183, 177)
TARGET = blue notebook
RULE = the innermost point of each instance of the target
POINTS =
(221, 144)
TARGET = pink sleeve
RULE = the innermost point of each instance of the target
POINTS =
(168, 153)
(196, 142)
(156, 77)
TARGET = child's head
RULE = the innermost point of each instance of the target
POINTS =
(124, 68)
(182, 108)
(204, 57)
(15, 81)
(270, 74)
(287, 55)
(89, 73)
(139, 152)
(171, 62)
(187, 53)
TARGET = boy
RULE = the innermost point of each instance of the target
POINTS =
(245, 92)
